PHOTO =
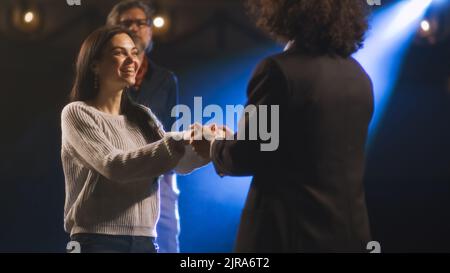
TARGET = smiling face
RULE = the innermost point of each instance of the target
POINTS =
(118, 64)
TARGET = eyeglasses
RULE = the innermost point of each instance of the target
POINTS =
(139, 22)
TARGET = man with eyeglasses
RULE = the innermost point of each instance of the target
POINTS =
(156, 88)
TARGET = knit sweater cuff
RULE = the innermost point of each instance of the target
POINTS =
(174, 143)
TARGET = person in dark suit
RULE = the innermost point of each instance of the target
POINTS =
(156, 88)
(308, 194)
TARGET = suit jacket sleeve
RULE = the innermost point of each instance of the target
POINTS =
(243, 157)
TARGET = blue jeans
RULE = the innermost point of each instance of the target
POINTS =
(102, 243)
(168, 223)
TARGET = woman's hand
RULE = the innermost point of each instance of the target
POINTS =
(202, 137)
(222, 131)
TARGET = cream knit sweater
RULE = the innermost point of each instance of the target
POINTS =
(112, 174)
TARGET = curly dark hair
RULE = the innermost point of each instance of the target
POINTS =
(331, 27)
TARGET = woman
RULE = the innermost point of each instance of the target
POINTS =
(113, 151)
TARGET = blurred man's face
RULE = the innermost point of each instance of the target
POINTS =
(136, 21)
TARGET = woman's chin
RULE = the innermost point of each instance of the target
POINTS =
(130, 82)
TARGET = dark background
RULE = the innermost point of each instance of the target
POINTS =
(408, 163)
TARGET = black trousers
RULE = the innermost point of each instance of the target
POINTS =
(102, 243)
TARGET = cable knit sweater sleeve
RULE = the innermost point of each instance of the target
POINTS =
(190, 161)
(81, 129)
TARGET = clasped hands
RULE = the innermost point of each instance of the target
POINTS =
(201, 137)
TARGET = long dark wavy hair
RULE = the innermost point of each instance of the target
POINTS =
(84, 87)
(330, 27)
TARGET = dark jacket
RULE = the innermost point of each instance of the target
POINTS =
(308, 195)
(159, 92)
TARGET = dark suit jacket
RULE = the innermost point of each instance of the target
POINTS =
(308, 195)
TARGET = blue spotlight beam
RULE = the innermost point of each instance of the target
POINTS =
(392, 29)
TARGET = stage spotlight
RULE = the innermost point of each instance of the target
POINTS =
(428, 32)
(392, 29)
(159, 22)
(435, 28)
(26, 18)
(425, 25)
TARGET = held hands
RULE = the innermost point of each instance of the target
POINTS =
(202, 137)
(222, 132)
